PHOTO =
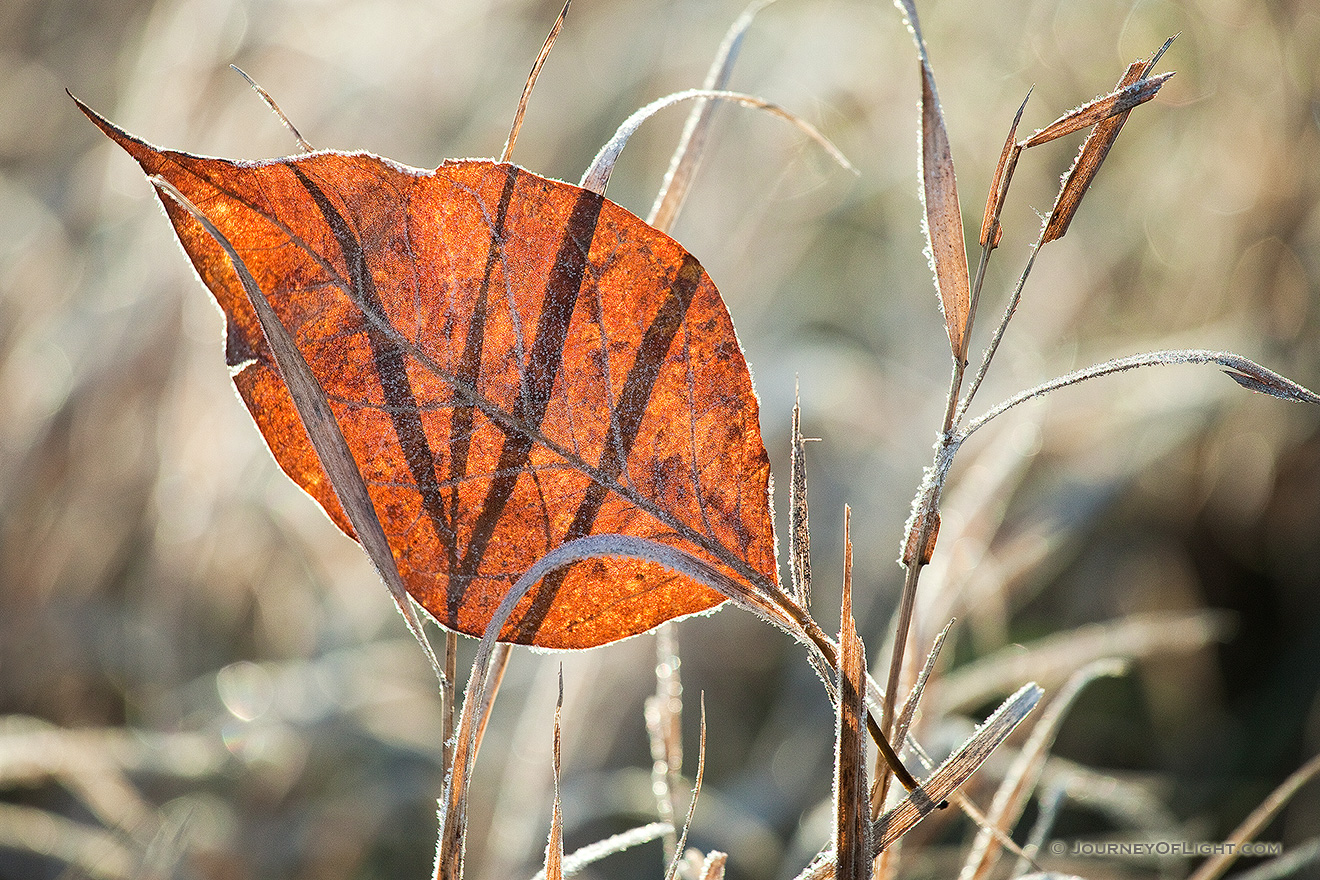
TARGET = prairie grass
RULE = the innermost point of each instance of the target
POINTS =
(201, 678)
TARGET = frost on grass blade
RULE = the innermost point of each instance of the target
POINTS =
(924, 800)
(1118, 101)
(799, 531)
(1020, 781)
(1093, 154)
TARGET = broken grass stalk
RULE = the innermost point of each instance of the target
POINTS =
(852, 819)
(597, 176)
(692, 143)
(303, 146)
(531, 82)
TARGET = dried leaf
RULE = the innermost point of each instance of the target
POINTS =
(944, 231)
(1087, 115)
(994, 204)
(713, 868)
(1092, 155)
(312, 412)
(1084, 168)
(514, 363)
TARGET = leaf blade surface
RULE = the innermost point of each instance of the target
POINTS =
(515, 362)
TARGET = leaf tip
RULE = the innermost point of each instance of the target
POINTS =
(1274, 387)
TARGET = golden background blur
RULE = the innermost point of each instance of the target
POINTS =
(247, 701)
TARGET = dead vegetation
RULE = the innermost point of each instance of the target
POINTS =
(223, 690)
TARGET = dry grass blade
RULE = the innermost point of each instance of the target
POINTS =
(799, 532)
(499, 662)
(664, 726)
(909, 10)
(1087, 115)
(531, 81)
(1133, 637)
(575, 861)
(956, 770)
(1133, 803)
(84, 763)
(1086, 165)
(453, 810)
(1242, 370)
(270, 102)
(597, 177)
(944, 230)
(696, 791)
(1257, 378)
(478, 702)
(904, 720)
(447, 699)
(1215, 866)
(322, 429)
(1092, 155)
(942, 220)
(994, 203)
(921, 530)
(852, 819)
(1050, 802)
(554, 850)
(889, 756)
(691, 145)
(909, 708)
(1011, 798)
(32, 750)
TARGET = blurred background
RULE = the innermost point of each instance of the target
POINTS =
(200, 677)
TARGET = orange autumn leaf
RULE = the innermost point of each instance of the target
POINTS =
(514, 362)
